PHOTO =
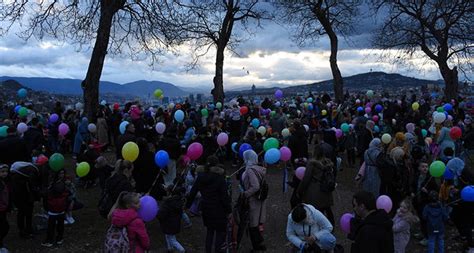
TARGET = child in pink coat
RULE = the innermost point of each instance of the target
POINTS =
(126, 215)
(402, 222)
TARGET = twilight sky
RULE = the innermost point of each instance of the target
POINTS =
(270, 57)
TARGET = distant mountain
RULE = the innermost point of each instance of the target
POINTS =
(140, 88)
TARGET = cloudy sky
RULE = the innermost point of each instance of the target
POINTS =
(269, 58)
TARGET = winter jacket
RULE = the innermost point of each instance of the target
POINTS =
(298, 143)
(102, 131)
(374, 234)
(252, 178)
(172, 145)
(313, 225)
(215, 200)
(401, 233)
(114, 185)
(435, 215)
(170, 214)
(188, 136)
(13, 149)
(34, 139)
(145, 170)
(364, 137)
(136, 230)
(4, 196)
(57, 198)
(25, 185)
(310, 192)
(121, 140)
(372, 179)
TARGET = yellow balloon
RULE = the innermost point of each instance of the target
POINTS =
(130, 151)
(415, 106)
(324, 112)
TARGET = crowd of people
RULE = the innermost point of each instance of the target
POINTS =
(410, 156)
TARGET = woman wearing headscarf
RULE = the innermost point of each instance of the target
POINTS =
(82, 136)
(252, 180)
(102, 129)
(371, 180)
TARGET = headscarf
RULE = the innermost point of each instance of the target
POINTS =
(250, 158)
(83, 125)
(456, 165)
(376, 143)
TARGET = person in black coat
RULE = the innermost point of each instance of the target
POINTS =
(215, 202)
(13, 148)
(129, 135)
(364, 137)
(169, 215)
(34, 137)
(121, 180)
(371, 229)
(145, 169)
(298, 141)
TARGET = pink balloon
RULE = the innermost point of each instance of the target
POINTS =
(186, 160)
(338, 133)
(375, 118)
(285, 154)
(63, 129)
(345, 222)
(195, 151)
(384, 202)
(222, 139)
(368, 109)
(300, 172)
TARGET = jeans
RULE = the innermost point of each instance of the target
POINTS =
(173, 244)
(55, 222)
(217, 243)
(187, 221)
(4, 227)
(433, 239)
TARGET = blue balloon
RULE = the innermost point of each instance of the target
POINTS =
(244, 147)
(162, 158)
(360, 109)
(17, 108)
(234, 147)
(310, 107)
(309, 100)
(179, 116)
(448, 174)
(376, 129)
(22, 93)
(378, 108)
(467, 193)
(123, 126)
(446, 113)
(255, 123)
(272, 156)
(448, 107)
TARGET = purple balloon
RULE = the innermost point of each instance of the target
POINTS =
(384, 202)
(222, 139)
(285, 154)
(63, 129)
(338, 133)
(53, 118)
(300, 172)
(148, 208)
(345, 222)
(368, 109)
(278, 94)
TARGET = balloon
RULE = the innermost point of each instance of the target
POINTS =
(171, 105)
(455, 133)
(116, 106)
(41, 160)
(324, 112)
(222, 139)
(440, 109)
(3, 131)
(448, 174)
(360, 109)
(424, 133)
(345, 222)
(309, 100)
(103, 102)
(80, 106)
(357, 101)
(148, 208)
(162, 158)
(218, 105)
(53, 118)
(17, 108)
(244, 147)
(376, 129)
(415, 106)
(345, 127)
(23, 112)
(195, 150)
(92, 128)
(428, 140)
(278, 94)
(285, 132)
(272, 156)
(244, 110)
(450, 118)
(437, 168)
(306, 127)
(22, 93)
(277, 104)
(339, 133)
(160, 127)
(179, 116)
(56, 162)
(123, 127)
(410, 127)
(467, 193)
(63, 129)
(262, 130)
(384, 202)
(386, 138)
(285, 154)
(439, 117)
(130, 151)
(368, 109)
(83, 169)
(21, 128)
(378, 108)
(204, 112)
(310, 107)
(158, 93)
(448, 107)
(255, 123)
(299, 173)
(370, 93)
(375, 118)
(233, 147)
(270, 143)
(272, 114)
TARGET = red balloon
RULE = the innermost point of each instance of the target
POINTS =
(455, 133)
(178, 106)
(116, 106)
(41, 160)
(244, 110)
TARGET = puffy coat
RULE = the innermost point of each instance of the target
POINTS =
(170, 214)
(251, 180)
(136, 231)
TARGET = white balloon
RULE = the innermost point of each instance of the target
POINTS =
(22, 127)
(79, 106)
(92, 128)
(160, 127)
(306, 127)
(103, 102)
(285, 132)
(262, 130)
(439, 117)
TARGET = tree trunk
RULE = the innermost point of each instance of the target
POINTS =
(90, 84)
(451, 81)
(218, 91)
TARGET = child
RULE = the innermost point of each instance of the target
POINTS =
(71, 201)
(124, 214)
(402, 221)
(435, 215)
(4, 205)
(169, 215)
(56, 207)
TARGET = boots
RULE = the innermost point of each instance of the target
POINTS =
(256, 239)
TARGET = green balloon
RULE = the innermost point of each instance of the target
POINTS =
(3, 131)
(272, 114)
(204, 112)
(270, 143)
(83, 169)
(440, 109)
(218, 105)
(422, 122)
(56, 162)
(23, 112)
(345, 127)
(437, 168)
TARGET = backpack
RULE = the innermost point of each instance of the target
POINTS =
(116, 240)
(262, 192)
(327, 183)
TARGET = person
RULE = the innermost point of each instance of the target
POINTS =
(215, 203)
(169, 215)
(13, 148)
(364, 138)
(129, 135)
(104, 170)
(121, 180)
(401, 225)
(371, 229)
(34, 137)
(172, 145)
(145, 169)
(4, 205)
(56, 207)
(298, 143)
(349, 142)
(124, 214)
(252, 180)
(371, 180)
(435, 215)
(102, 129)
(190, 134)
(309, 230)
(81, 137)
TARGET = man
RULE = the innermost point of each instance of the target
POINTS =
(13, 148)
(34, 137)
(129, 135)
(371, 230)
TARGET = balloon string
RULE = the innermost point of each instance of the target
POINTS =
(429, 180)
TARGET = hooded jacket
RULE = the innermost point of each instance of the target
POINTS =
(374, 234)
(136, 231)
(435, 216)
(170, 214)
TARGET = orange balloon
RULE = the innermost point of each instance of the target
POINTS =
(269, 131)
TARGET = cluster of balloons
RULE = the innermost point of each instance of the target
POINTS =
(274, 155)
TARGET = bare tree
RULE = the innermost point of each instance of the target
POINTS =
(117, 26)
(314, 19)
(209, 24)
(443, 30)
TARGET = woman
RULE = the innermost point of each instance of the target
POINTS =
(102, 129)
(121, 180)
(215, 203)
(298, 141)
(371, 180)
(82, 136)
(252, 181)
(444, 140)
(145, 170)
